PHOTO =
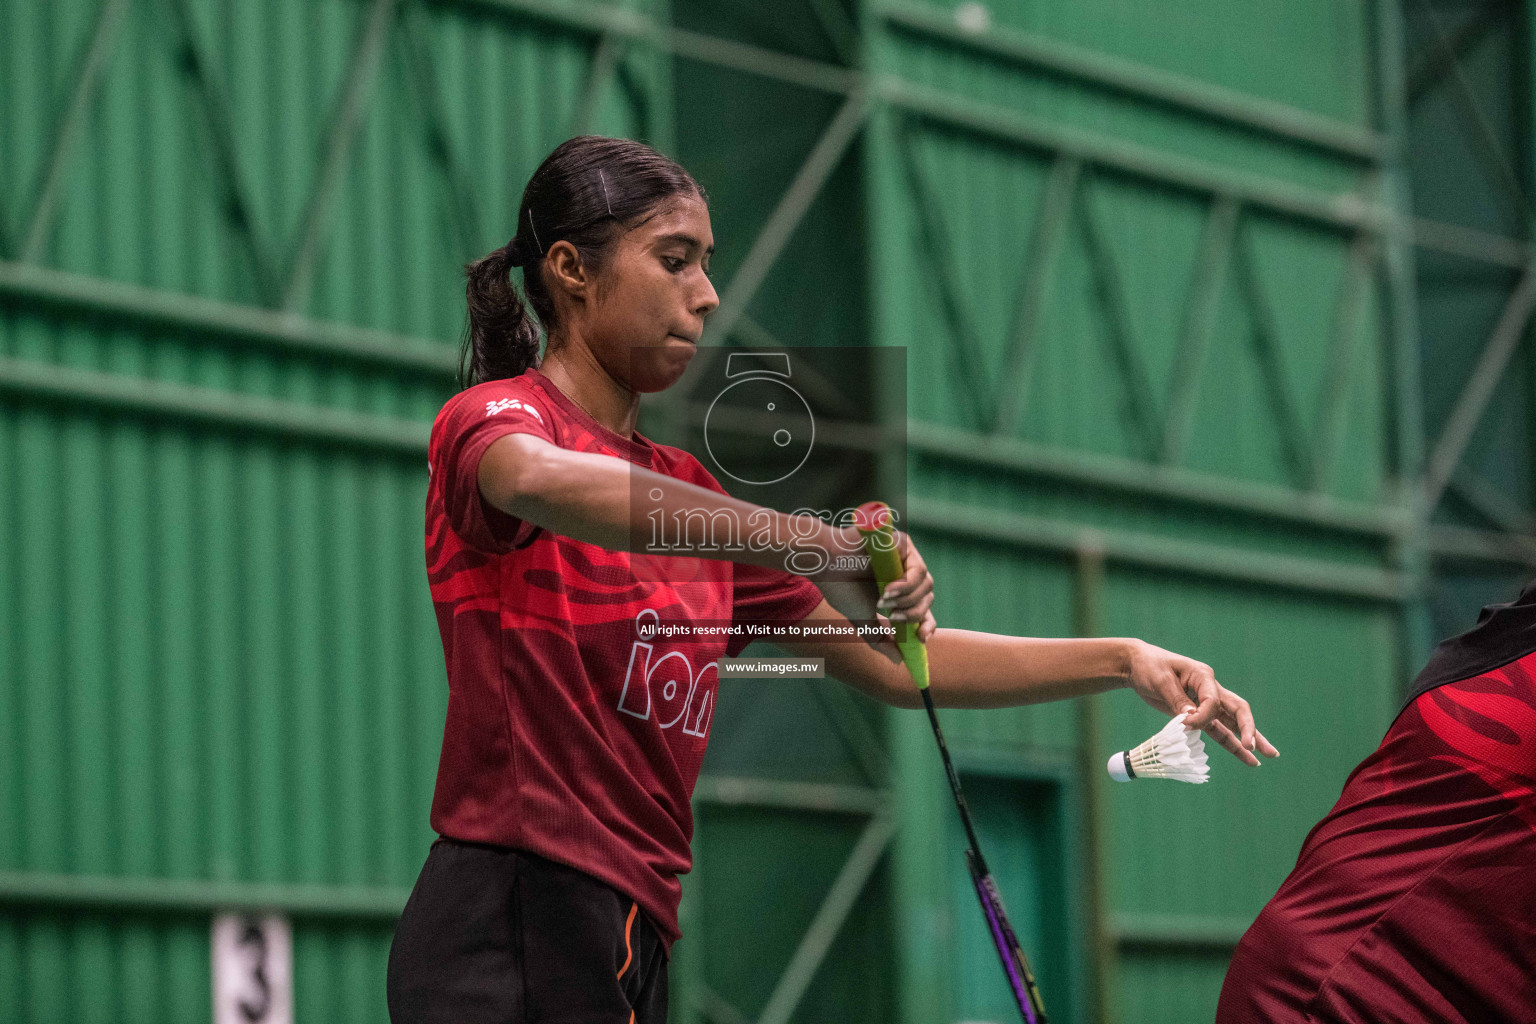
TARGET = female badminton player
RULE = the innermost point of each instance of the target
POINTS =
(572, 744)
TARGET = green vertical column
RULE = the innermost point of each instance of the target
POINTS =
(1400, 302)
(922, 916)
(653, 64)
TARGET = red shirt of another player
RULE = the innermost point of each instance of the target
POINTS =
(567, 734)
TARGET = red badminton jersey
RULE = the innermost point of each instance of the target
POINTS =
(567, 735)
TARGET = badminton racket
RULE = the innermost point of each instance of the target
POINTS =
(873, 520)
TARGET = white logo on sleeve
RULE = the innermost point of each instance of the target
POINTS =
(510, 404)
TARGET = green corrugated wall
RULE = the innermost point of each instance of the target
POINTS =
(1162, 327)
(218, 659)
(1469, 145)
(1124, 275)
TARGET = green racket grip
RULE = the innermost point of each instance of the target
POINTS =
(873, 520)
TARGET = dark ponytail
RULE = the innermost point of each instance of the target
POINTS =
(501, 341)
(588, 192)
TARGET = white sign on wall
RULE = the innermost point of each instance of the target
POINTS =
(252, 969)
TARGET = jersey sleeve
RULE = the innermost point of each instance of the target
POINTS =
(767, 595)
(467, 426)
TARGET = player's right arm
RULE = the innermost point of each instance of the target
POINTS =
(613, 503)
(971, 669)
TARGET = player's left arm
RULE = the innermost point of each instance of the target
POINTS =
(971, 669)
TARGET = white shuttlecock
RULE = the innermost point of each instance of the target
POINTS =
(1174, 753)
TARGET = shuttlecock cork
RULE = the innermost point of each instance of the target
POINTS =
(1174, 753)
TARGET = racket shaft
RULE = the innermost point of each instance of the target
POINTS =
(887, 565)
(954, 781)
(1015, 966)
(1008, 949)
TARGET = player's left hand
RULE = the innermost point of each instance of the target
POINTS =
(1174, 684)
(909, 599)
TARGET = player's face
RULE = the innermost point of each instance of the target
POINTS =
(649, 313)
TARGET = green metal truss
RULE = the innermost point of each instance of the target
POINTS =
(1381, 240)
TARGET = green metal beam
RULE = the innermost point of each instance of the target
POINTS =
(1338, 212)
(1460, 544)
(834, 910)
(1200, 309)
(600, 19)
(824, 393)
(89, 392)
(1135, 385)
(120, 305)
(1484, 137)
(606, 57)
(66, 893)
(73, 894)
(1399, 301)
(592, 18)
(1141, 82)
(1469, 243)
(818, 166)
(1491, 502)
(356, 93)
(1171, 554)
(1112, 474)
(1451, 47)
(315, 338)
(1051, 220)
(1269, 350)
(717, 1009)
(217, 121)
(415, 42)
(1473, 400)
(1343, 211)
(1132, 477)
(605, 21)
(839, 29)
(103, 44)
(938, 251)
(840, 435)
(1345, 344)
(755, 60)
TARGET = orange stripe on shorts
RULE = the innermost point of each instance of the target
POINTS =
(629, 954)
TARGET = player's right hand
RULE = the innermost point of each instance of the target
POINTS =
(1174, 685)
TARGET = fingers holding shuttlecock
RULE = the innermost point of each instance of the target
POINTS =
(1174, 753)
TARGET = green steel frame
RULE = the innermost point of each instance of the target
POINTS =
(1382, 237)
(29, 890)
(1382, 245)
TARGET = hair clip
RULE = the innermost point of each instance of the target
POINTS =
(604, 182)
(535, 232)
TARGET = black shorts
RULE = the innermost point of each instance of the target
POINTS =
(498, 936)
